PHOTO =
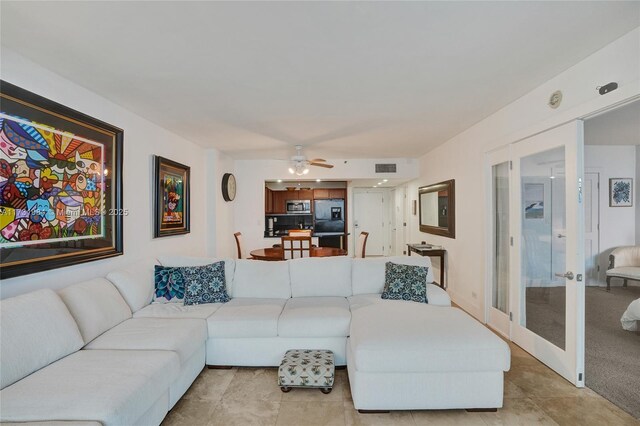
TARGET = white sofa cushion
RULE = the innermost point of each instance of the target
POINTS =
(261, 280)
(315, 317)
(113, 387)
(135, 283)
(320, 276)
(368, 273)
(177, 260)
(397, 336)
(96, 305)
(176, 310)
(435, 296)
(36, 329)
(246, 317)
(183, 336)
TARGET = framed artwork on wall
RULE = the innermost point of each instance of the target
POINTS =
(533, 195)
(171, 195)
(60, 185)
(620, 192)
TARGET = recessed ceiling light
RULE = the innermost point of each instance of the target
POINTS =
(552, 177)
(379, 183)
(385, 180)
(279, 180)
(318, 180)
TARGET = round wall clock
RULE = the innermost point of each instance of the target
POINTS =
(228, 187)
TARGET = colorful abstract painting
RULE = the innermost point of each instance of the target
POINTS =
(51, 184)
(60, 185)
(171, 198)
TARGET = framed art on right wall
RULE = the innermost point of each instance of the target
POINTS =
(620, 192)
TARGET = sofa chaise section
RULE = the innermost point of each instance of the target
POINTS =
(45, 377)
(403, 355)
(112, 387)
(97, 306)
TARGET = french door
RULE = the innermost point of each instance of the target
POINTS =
(499, 241)
(547, 262)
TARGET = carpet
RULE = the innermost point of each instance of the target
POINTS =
(612, 355)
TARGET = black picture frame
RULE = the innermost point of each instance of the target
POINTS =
(60, 185)
(166, 220)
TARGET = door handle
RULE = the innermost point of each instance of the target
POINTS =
(568, 275)
(562, 236)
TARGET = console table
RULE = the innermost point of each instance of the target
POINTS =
(431, 251)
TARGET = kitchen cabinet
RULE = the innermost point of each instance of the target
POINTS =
(324, 193)
(268, 200)
(337, 193)
(320, 193)
(279, 201)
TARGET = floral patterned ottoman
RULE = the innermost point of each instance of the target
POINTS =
(307, 368)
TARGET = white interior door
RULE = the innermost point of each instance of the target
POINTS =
(547, 211)
(370, 215)
(499, 250)
(591, 227)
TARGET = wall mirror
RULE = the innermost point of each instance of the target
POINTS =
(438, 208)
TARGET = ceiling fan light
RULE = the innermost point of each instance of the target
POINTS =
(305, 171)
(291, 170)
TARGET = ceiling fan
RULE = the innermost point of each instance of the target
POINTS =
(300, 164)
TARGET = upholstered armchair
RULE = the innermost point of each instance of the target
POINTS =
(624, 263)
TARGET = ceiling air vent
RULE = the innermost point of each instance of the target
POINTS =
(385, 168)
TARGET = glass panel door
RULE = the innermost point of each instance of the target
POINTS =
(499, 252)
(548, 292)
(543, 300)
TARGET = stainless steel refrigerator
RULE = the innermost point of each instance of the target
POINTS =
(328, 216)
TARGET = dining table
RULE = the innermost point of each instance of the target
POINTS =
(277, 253)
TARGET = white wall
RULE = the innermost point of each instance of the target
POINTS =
(462, 157)
(636, 182)
(251, 174)
(142, 139)
(220, 213)
(617, 224)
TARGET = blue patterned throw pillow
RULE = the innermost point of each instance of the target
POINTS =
(169, 284)
(405, 282)
(205, 284)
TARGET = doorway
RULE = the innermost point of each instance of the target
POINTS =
(371, 214)
(612, 361)
(535, 287)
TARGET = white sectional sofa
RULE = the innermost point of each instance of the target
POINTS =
(101, 351)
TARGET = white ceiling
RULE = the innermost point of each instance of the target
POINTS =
(618, 127)
(345, 79)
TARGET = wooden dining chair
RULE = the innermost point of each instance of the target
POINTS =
(362, 244)
(296, 247)
(299, 232)
(238, 237)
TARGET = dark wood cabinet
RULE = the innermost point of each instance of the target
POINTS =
(320, 193)
(275, 202)
(279, 201)
(268, 200)
(338, 193)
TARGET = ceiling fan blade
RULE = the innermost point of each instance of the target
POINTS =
(326, 166)
(318, 160)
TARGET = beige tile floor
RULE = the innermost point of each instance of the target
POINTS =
(250, 396)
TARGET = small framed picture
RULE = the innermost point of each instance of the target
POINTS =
(620, 192)
(171, 198)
